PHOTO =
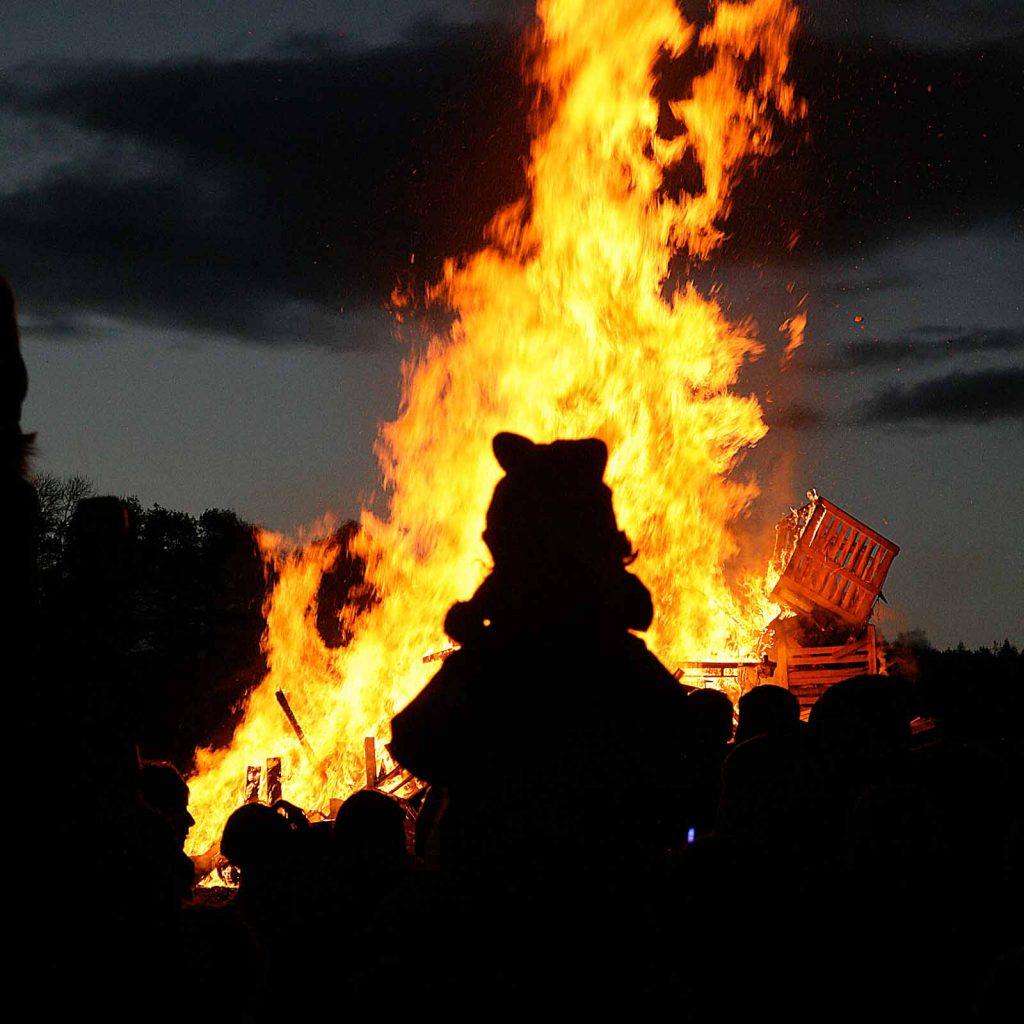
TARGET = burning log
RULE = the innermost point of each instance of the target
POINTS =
(370, 757)
(296, 728)
(273, 779)
(441, 654)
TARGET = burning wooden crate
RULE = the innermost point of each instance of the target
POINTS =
(837, 565)
(807, 672)
(833, 570)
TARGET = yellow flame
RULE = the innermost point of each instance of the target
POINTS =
(562, 329)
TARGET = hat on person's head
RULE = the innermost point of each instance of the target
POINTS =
(553, 500)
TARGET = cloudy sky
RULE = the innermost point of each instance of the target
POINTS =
(203, 209)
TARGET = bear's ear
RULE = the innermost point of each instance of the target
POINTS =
(592, 454)
(511, 449)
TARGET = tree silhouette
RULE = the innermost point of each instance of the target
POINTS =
(58, 498)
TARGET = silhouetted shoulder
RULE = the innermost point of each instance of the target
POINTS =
(425, 735)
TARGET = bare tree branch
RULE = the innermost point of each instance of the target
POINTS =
(58, 498)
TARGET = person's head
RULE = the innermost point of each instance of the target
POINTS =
(552, 505)
(165, 791)
(767, 709)
(711, 717)
(370, 829)
(257, 840)
(557, 548)
(862, 728)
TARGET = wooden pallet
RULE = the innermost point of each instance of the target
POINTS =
(808, 672)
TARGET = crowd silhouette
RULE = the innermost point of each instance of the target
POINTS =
(594, 837)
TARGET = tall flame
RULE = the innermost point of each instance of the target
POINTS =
(562, 329)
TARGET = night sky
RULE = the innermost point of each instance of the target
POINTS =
(205, 207)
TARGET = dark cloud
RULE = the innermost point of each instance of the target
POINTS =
(258, 196)
(58, 328)
(274, 191)
(959, 398)
(929, 343)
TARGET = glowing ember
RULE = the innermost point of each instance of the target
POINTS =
(562, 330)
(794, 327)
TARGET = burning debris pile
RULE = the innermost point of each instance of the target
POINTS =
(830, 569)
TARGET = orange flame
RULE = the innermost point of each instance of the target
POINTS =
(562, 329)
(794, 326)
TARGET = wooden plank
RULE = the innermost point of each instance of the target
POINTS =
(370, 759)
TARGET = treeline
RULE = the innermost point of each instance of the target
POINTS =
(191, 616)
(974, 692)
(192, 591)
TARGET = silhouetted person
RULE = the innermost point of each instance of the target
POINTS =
(258, 841)
(356, 909)
(368, 856)
(20, 503)
(559, 737)
(19, 509)
(113, 941)
(710, 732)
(164, 790)
(773, 794)
(861, 727)
(767, 709)
(710, 718)
(261, 843)
(369, 833)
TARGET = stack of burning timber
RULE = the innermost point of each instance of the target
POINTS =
(264, 786)
(835, 566)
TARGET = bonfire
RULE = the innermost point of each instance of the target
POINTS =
(567, 323)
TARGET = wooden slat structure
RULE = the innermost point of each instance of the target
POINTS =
(724, 675)
(838, 564)
(809, 671)
(398, 782)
